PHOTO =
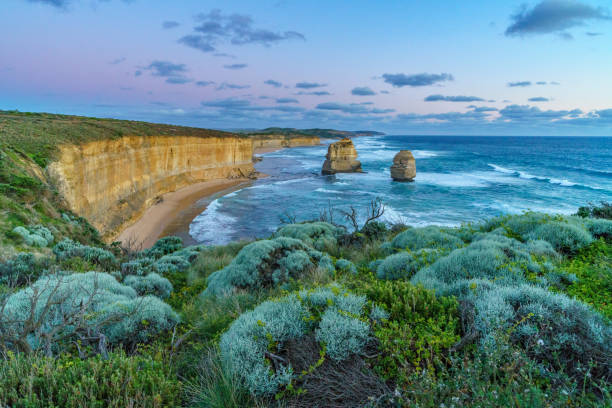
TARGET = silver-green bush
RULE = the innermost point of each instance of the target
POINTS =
(334, 316)
(266, 263)
(404, 265)
(319, 235)
(151, 284)
(427, 237)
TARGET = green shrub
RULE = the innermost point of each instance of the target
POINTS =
(404, 265)
(599, 227)
(36, 236)
(152, 284)
(491, 257)
(562, 236)
(427, 237)
(418, 330)
(21, 268)
(120, 381)
(266, 263)
(564, 334)
(164, 246)
(345, 265)
(374, 230)
(249, 347)
(319, 235)
(67, 249)
(603, 211)
(54, 309)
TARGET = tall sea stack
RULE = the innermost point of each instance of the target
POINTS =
(341, 158)
(404, 167)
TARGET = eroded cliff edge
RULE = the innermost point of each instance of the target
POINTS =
(112, 182)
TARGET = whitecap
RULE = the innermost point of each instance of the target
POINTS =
(206, 226)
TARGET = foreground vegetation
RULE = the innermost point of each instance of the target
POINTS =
(514, 311)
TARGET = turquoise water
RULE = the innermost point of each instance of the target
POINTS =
(458, 179)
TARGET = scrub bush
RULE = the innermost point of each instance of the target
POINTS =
(564, 237)
(117, 382)
(250, 348)
(266, 263)
(563, 334)
(345, 265)
(19, 269)
(404, 265)
(164, 246)
(60, 307)
(603, 211)
(427, 237)
(374, 230)
(152, 284)
(599, 227)
(36, 236)
(67, 249)
(319, 235)
(418, 330)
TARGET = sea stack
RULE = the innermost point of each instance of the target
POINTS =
(404, 167)
(341, 158)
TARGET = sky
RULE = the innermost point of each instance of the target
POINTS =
(422, 67)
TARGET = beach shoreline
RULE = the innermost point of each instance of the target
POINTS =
(151, 226)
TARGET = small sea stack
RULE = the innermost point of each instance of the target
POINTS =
(341, 158)
(404, 167)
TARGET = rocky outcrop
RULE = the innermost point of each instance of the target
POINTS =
(112, 182)
(281, 141)
(404, 167)
(341, 158)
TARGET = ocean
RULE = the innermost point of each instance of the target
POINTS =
(459, 179)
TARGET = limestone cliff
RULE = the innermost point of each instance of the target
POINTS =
(341, 158)
(112, 182)
(404, 166)
(279, 141)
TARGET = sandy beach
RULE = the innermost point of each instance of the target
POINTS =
(148, 229)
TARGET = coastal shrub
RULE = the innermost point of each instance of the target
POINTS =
(21, 268)
(564, 237)
(267, 263)
(490, 257)
(67, 249)
(64, 305)
(319, 235)
(152, 284)
(404, 265)
(173, 262)
(345, 265)
(562, 333)
(35, 236)
(119, 381)
(593, 284)
(418, 328)
(250, 348)
(599, 227)
(603, 211)
(374, 230)
(164, 246)
(427, 237)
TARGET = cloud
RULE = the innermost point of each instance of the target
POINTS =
(553, 16)
(592, 34)
(362, 91)
(527, 113)
(174, 73)
(482, 108)
(227, 85)
(554, 83)
(54, 3)
(216, 28)
(117, 61)
(229, 103)
(273, 83)
(315, 93)
(459, 98)
(235, 66)
(167, 25)
(384, 92)
(520, 83)
(541, 83)
(204, 83)
(400, 80)
(286, 100)
(309, 85)
(538, 99)
(353, 108)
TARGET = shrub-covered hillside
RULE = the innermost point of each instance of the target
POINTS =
(512, 312)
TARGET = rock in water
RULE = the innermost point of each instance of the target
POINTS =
(341, 158)
(404, 167)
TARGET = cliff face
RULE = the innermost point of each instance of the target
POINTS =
(274, 141)
(112, 182)
(341, 158)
